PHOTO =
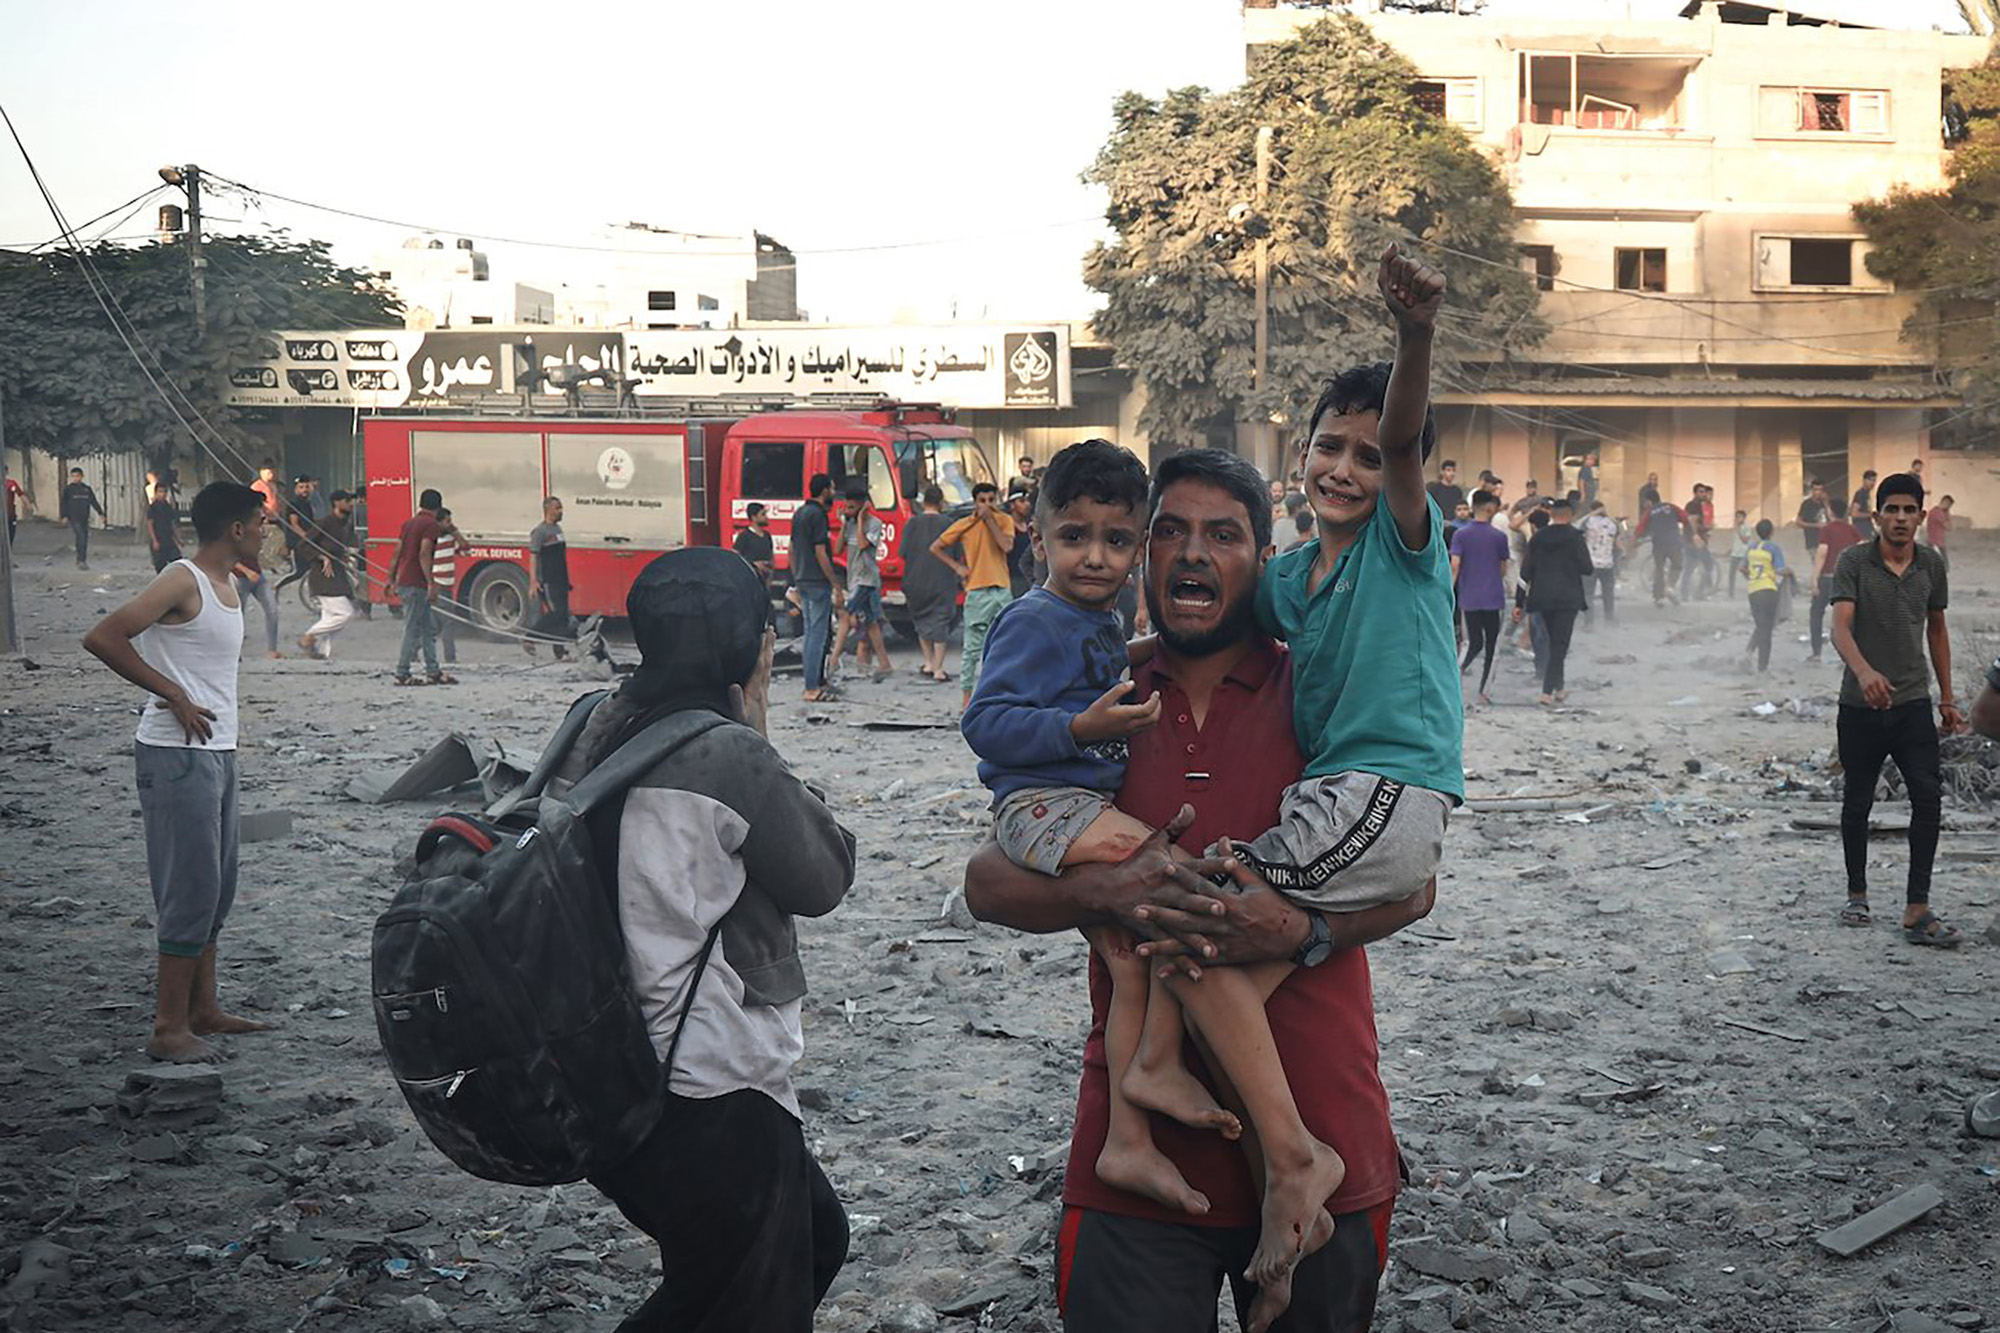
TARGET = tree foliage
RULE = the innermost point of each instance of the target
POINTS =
(1357, 164)
(1945, 243)
(71, 386)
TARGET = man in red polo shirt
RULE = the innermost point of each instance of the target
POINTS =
(1225, 747)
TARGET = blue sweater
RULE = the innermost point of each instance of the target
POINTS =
(1046, 661)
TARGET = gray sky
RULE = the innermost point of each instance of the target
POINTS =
(827, 126)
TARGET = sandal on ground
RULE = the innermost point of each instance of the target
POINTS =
(409, 680)
(1856, 913)
(828, 695)
(441, 679)
(1927, 929)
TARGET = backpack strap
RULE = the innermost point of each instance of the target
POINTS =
(560, 744)
(636, 757)
(687, 1005)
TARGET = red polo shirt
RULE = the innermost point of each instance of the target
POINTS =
(1233, 769)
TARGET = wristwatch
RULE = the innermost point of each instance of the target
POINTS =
(1319, 941)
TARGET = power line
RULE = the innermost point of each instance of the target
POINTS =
(496, 238)
(128, 332)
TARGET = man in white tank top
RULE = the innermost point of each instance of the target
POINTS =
(180, 640)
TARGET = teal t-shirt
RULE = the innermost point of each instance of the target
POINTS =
(1374, 662)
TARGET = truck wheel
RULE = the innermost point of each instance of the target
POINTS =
(498, 598)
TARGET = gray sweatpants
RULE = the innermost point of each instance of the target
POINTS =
(187, 798)
(1349, 841)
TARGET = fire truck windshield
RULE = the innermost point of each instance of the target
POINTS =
(953, 464)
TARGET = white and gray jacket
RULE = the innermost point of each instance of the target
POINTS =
(722, 831)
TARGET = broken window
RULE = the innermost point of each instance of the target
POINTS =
(1822, 263)
(1642, 270)
(1600, 92)
(1454, 101)
(1540, 260)
(1812, 261)
(1824, 110)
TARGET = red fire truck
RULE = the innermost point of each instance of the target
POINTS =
(634, 487)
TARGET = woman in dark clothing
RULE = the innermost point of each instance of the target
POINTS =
(1555, 570)
(929, 586)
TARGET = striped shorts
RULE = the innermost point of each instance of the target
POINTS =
(1349, 841)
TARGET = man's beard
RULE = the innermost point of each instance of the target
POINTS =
(1237, 621)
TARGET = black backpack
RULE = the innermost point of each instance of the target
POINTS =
(501, 991)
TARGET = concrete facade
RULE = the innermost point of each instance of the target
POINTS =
(1682, 189)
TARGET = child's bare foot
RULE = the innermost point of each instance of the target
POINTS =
(181, 1048)
(1294, 1204)
(1275, 1297)
(1175, 1092)
(219, 1021)
(1145, 1170)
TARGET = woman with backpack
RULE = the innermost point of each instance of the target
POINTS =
(717, 848)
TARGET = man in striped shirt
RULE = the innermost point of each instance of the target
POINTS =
(444, 587)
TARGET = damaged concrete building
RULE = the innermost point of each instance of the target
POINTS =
(1682, 186)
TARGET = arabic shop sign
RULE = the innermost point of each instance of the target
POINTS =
(390, 368)
(958, 365)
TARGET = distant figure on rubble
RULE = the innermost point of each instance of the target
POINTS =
(78, 499)
(179, 641)
(1889, 598)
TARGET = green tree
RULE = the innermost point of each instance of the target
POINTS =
(1945, 244)
(1357, 164)
(71, 386)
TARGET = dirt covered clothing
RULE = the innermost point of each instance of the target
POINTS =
(721, 831)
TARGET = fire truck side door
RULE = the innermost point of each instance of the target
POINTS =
(773, 473)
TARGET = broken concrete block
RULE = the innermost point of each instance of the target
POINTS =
(263, 825)
(159, 1148)
(1653, 1298)
(1451, 1263)
(1883, 1220)
(172, 1096)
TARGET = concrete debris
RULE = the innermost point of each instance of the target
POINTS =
(172, 1096)
(1881, 1221)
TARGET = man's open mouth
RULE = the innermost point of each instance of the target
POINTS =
(1191, 594)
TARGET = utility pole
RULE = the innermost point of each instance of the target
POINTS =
(1266, 441)
(189, 179)
(10, 641)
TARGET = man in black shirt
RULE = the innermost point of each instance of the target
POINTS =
(754, 544)
(813, 576)
(1446, 490)
(1586, 479)
(1812, 515)
(77, 502)
(548, 582)
(161, 518)
(1861, 508)
(1557, 569)
(299, 522)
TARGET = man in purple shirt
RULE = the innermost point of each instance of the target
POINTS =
(1479, 568)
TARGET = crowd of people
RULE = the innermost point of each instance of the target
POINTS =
(1175, 685)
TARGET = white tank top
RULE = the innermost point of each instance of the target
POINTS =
(200, 656)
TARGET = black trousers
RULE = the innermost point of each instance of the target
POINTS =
(553, 623)
(1867, 736)
(1763, 620)
(1560, 627)
(1666, 571)
(1482, 636)
(79, 528)
(750, 1233)
(1822, 596)
(1123, 1274)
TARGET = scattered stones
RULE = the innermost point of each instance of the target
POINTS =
(909, 1317)
(159, 1148)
